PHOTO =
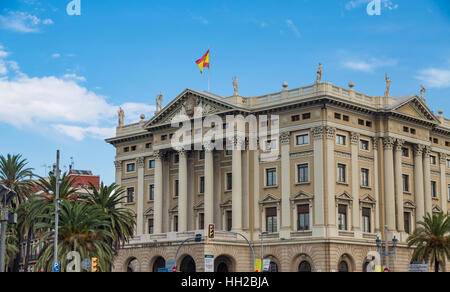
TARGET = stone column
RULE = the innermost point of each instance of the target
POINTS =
(331, 180)
(140, 196)
(389, 186)
(418, 182)
(375, 184)
(399, 184)
(256, 188)
(158, 202)
(182, 192)
(285, 172)
(444, 190)
(354, 138)
(318, 225)
(427, 180)
(237, 185)
(209, 185)
(118, 165)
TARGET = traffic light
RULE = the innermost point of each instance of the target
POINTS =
(211, 231)
(94, 265)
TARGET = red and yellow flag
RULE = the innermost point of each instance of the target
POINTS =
(203, 62)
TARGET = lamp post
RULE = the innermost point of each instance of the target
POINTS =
(262, 251)
(6, 196)
(386, 253)
(55, 251)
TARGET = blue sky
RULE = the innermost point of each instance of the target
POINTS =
(62, 78)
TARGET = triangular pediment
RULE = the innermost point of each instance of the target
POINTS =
(301, 195)
(412, 106)
(174, 209)
(269, 199)
(368, 199)
(344, 196)
(227, 203)
(436, 209)
(200, 205)
(408, 204)
(149, 212)
(190, 103)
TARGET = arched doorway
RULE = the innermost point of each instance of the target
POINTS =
(132, 265)
(304, 267)
(345, 264)
(187, 265)
(343, 267)
(159, 263)
(223, 264)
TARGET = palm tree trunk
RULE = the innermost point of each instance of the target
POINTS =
(27, 253)
(436, 266)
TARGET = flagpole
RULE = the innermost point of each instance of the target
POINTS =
(209, 69)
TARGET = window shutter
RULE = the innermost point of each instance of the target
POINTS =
(366, 212)
(271, 212)
(303, 209)
(342, 209)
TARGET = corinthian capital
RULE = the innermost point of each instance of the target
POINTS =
(426, 151)
(442, 158)
(354, 138)
(285, 138)
(118, 165)
(140, 161)
(418, 149)
(330, 133)
(399, 143)
(388, 143)
(317, 133)
(158, 154)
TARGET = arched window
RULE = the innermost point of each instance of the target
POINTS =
(222, 268)
(188, 265)
(343, 267)
(159, 263)
(304, 267)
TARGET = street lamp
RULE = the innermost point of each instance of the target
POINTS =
(6, 197)
(386, 253)
(262, 252)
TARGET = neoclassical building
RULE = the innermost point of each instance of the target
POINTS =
(347, 165)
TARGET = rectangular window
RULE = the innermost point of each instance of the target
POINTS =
(364, 177)
(271, 220)
(360, 122)
(306, 116)
(295, 118)
(151, 164)
(303, 173)
(148, 145)
(405, 152)
(413, 131)
(150, 226)
(340, 140)
(364, 145)
(228, 152)
(175, 223)
(433, 160)
(342, 217)
(341, 173)
(163, 137)
(229, 220)
(201, 155)
(433, 189)
(271, 177)
(201, 221)
(202, 185)
(366, 220)
(303, 139)
(436, 141)
(337, 116)
(133, 148)
(368, 124)
(271, 145)
(229, 181)
(303, 218)
(126, 149)
(345, 118)
(175, 191)
(407, 219)
(131, 167)
(405, 179)
(176, 159)
(130, 195)
(151, 192)
(406, 129)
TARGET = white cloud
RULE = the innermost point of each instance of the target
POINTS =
(293, 27)
(388, 4)
(435, 78)
(368, 65)
(56, 55)
(61, 104)
(22, 22)
(3, 69)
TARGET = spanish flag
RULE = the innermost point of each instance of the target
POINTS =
(203, 62)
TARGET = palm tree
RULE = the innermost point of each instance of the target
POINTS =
(12, 243)
(67, 190)
(432, 240)
(81, 229)
(121, 220)
(15, 175)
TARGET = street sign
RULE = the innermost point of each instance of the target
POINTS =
(418, 268)
(266, 265)
(258, 265)
(170, 265)
(209, 264)
(56, 267)
(163, 270)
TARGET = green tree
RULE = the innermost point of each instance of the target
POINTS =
(12, 244)
(431, 240)
(67, 190)
(121, 220)
(81, 229)
(15, 174)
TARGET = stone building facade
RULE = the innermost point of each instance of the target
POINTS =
(347, 165)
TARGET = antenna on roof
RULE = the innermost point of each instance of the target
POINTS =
(72, 164)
